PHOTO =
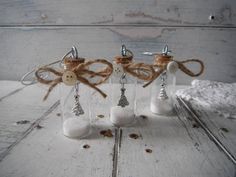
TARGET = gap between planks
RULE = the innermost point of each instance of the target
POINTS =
(115, 25)
(12, 93)
(117, 145)
(30, 129)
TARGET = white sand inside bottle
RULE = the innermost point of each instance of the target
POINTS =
(121, 116)
(76, 127)
(161, 107)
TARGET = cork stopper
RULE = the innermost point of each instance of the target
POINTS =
(70, 62)
(162, 60)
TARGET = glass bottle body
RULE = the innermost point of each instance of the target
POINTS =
(75, 108)
(163, 89)
(123, 103)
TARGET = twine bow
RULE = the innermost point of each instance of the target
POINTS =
(82, 72)
(161, 62)
(141, 71)
(149, 72)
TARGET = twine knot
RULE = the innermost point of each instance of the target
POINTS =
(81, 71)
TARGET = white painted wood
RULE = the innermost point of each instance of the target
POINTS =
(216, 122)
(112, 12)
(46, 152)
(25, 104)
(177, 150)
(30, 47)
(214, 103)
(8, 88)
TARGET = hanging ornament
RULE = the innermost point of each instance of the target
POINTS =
(77, 109)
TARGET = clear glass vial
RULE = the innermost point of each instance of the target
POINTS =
(122, 111)
(163, 88)
(74, 101)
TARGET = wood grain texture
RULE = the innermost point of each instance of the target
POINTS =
(24, 48)
(178, 150)
(9, 88)
(223, 128)
(46, 152)
(24, 105)
(112, 12)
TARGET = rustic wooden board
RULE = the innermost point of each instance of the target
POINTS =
(222, 127)
(25, 104)
(178, 150)
(157, 12)
(46, 152)
(8, 88)
(30, 47)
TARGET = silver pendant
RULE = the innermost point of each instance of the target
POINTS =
(123, 99)
(77, 109)
(162, 94)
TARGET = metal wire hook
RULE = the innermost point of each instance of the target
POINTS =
(165, 51)
(123, 80)
(125, 51)
(73, 52)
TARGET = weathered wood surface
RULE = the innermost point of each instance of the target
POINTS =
(24, 48)
(9, 87)
(112, 12)
(21, 105)
(178, 149)
(222, 127)
(26, 149)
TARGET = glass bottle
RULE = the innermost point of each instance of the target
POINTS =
(123, 85)
(74, 101)
(163, 88)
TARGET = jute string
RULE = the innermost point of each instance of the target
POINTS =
(82, 71)
(149, 72)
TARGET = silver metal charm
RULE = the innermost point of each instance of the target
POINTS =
(123, 100)
(162, 94)
(77, 109)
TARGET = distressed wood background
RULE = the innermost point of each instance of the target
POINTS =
(36, 32)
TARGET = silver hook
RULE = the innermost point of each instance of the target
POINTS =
(73, 52)
(125, 52)
(165, 51)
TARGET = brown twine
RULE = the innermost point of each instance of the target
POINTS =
(149, 73)
(81, 69)
(139, 70)
(161, 62)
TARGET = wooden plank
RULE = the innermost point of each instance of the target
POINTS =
(178, 149)
(27, 106)
(214, 104)
(46, 152)
(100, 12)
(8, 88)
(30, 47)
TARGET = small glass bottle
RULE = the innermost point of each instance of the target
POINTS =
(74, 101)
(163, 88)
(122, 112)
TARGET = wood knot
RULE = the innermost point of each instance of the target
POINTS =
(106, 133)
(134, 136)
(148, 150)
(86, 146)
